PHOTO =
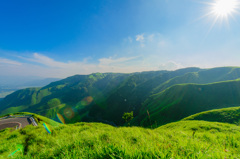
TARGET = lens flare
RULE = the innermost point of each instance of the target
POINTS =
(60, 118)
(69, 113)
(47, 127)
(19, 148)
(87, 100)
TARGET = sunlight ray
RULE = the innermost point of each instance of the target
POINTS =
(221, 11)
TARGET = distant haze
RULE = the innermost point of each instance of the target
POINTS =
(9, 84)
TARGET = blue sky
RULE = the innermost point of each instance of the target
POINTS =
(61, 38)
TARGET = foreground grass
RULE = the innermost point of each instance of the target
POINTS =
(184, 139)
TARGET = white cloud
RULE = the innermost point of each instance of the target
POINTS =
(7, 61)
(110, 60)
(170, 65)
(140, 37)
(52, 68)
(151, 40)
(39, 58)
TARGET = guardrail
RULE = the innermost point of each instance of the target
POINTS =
(33, 121)
(17, 116)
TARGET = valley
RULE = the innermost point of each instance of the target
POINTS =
(168, 96)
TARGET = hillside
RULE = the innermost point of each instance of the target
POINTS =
(10, 84)
(184, 139)
(202, 77)
(77, 94)
(104, 97)
(180, 101)
(63, 94)
(225, 115)
(131, 95)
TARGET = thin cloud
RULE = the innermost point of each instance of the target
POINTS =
(58, 69)
(41, 59)
(170, 65)
(110, 60)
(7, 61)
(151, 37)
(140, 37)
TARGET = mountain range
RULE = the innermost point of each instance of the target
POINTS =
(155, 97)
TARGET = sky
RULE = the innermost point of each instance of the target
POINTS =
(60, 38)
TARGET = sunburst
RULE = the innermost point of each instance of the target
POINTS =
(222, 10)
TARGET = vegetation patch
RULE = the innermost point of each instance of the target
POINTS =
(225, 115)
(184, 139)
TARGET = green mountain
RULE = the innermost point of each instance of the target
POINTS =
(103, 97)
(225, 115)
(132, 95)
(88, 97)
(184, 139)
(202, 77)
(180, 101)
(76, 92)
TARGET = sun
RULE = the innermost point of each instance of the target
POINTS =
(220, 11)
(224, 8)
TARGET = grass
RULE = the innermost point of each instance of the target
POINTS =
(179, 140)
(226, 115)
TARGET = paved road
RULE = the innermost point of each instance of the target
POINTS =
(21, 122)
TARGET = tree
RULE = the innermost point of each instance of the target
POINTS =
(127, 117)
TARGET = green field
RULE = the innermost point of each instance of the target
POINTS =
(183, 139)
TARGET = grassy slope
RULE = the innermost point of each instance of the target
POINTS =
(226, 115)
(180, 101)
(18, 98)
(113, 94)
(185, 139)
(71, 92)
(129, 96)
(202, 77)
